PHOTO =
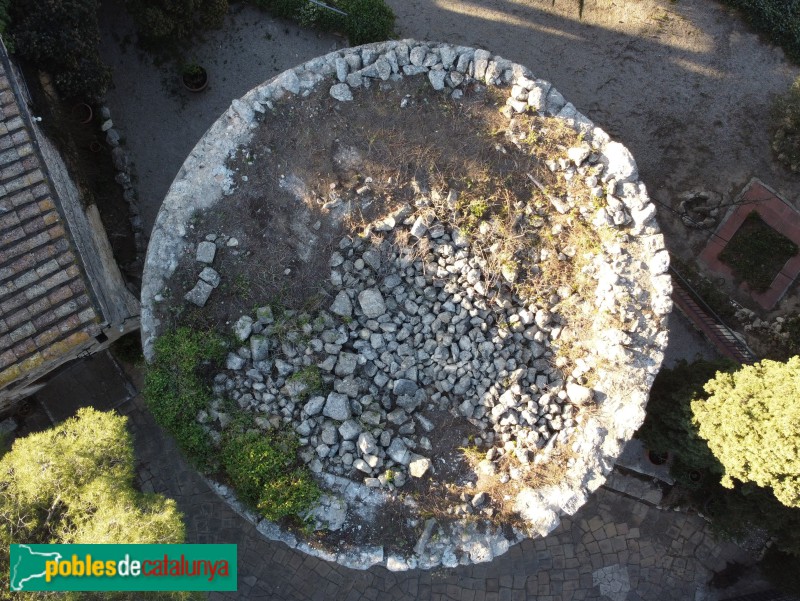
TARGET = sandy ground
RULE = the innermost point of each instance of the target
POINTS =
(685, 85)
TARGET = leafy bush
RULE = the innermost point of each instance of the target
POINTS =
(175, 392)
(74, 484)
(62, 37)
(779, 19)
(265, 473)
(786, 117)
(170, 21)
(366, 20)
(751, 420)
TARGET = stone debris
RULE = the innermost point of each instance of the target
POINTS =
(406, 337)
(199, 294)
(206, 251)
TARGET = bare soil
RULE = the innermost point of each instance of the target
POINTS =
(318, 169)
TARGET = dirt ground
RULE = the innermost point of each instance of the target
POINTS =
(685, 85)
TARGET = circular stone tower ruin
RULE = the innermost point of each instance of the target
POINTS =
(439, 279)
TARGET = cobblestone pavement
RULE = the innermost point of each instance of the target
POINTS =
(614, 548)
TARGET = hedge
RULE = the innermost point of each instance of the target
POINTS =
(779, 19)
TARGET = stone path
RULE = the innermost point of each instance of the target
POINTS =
(614, 548)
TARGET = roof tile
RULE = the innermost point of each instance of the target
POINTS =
(24, 332)
(45, 307)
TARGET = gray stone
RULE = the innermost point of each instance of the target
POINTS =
(418, 466)
(437, 77)
(341, 69)
(243, 328)
(349, 430)
(199, 294)
(289, 81)
(234, 362)
(206, 252)
(329, 434)
(259, 347)
(399, 452)
(346, 364)
(404, 387)
(481, 63)
(341, 92)
(337, 406)
(342, 305)
(120, 159)
(417, 55)
(314, 405)
(210, 277)
(112, 137)
(372, 303)
(366, 444)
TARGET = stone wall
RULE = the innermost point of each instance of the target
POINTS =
(632, 297)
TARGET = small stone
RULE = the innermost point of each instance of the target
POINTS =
(337, 406)
(437, 77)
(342, 305)
(232, 243)
(418, 466)
(346, 364)
(314, 405)
(210, 277)
(419, 228)
(349, 430)
(579, 395)
(199, 294)
(399, 452)
(243, 328)
(480, 499)
(403, 387)
(206, 252)
(259, 347)
(366, 444)
(372, 303)
(234, 361)
(341, 92)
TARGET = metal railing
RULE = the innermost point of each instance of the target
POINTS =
(719, 333)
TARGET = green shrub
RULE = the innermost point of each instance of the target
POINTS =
(62, 37)
(366, 20)
(751, 421)
(175, 391)
(175, 21)
(786, 118)
(778, 19)
(264, 470)
(74, 483)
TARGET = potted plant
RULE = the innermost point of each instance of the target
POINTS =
(194, 77)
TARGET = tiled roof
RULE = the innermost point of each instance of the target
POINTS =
(45, 305)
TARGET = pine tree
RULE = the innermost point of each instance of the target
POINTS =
(74, 484)
(751, 421)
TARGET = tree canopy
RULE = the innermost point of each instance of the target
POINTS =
(74, 484)
(751, 421)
